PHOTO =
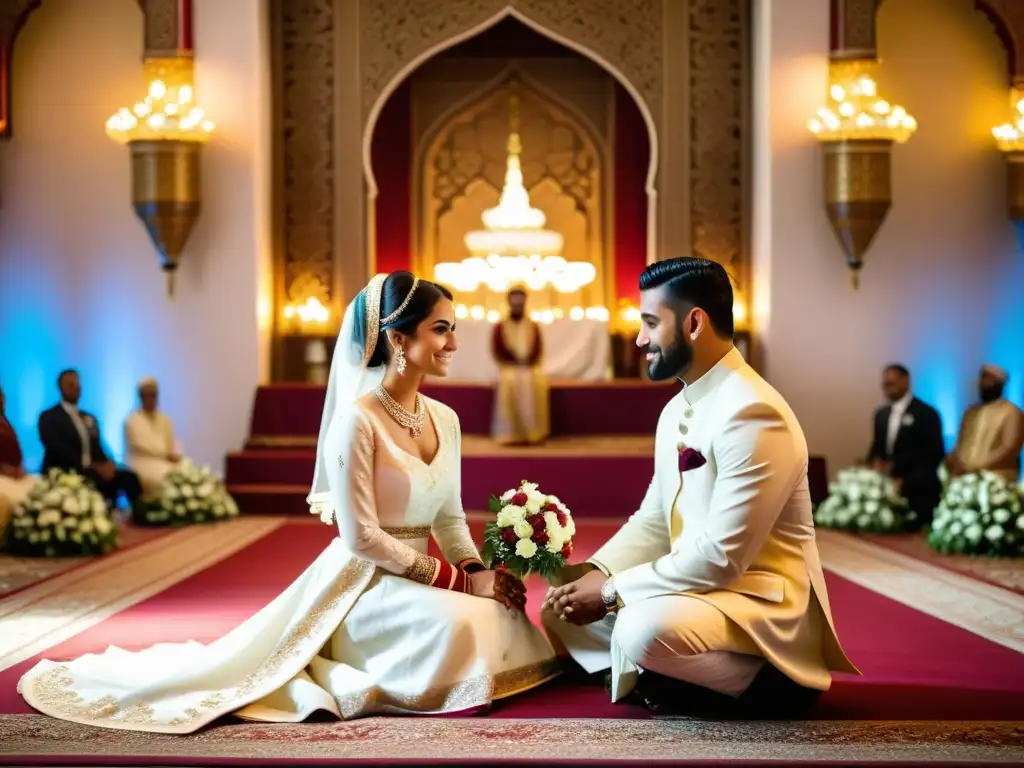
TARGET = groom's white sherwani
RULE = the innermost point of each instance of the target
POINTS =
(718, 570)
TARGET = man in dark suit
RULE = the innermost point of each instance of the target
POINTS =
(71, 441)
(908, 443)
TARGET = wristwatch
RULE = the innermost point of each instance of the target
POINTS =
(610, 596)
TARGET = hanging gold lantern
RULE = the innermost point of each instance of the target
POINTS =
(857, 130)
(165, 133)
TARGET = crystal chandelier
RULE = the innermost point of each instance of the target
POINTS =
(514, 248)
(855, 111)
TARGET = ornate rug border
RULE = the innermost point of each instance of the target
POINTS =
(518, 740)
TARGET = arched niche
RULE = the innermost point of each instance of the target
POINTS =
(459, 173)
(623, 49)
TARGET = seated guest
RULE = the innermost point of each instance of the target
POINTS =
(908, 444)
(991, 432)
(149, 440)
(15, 483)
(521, 398)
(71, 442)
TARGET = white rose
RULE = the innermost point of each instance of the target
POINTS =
(33, 538)
(1001, 515)
(187, 492)
(973, 533)
(70, 505)
(527, 487)
(887, 517)
(61, 534)
(192, 505)
(171, 492)
(994, 533)
(512, 514)
(526, 548)
(85, 526)
(863, 521)
(523, 529)
(507, 495)
(534, 501)
(50, 517)
(969, 517)
(99, 507)
(871, 506)
(218, 510)
(69, 523)
(103, 525)
(204, 490)
(1020, 522)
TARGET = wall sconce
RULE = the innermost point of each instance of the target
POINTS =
(1010, 140)
(310, 318)
(857, 129)
(164, 133)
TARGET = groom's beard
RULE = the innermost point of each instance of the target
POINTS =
(670, 361)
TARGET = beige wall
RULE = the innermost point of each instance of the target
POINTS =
(942, 286)
(79, 280)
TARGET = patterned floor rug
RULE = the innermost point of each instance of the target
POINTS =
(37, 740)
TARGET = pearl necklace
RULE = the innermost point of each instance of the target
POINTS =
(412, 421)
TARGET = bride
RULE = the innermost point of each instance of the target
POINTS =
(375, 624)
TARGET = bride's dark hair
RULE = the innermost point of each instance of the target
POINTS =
(394, 292)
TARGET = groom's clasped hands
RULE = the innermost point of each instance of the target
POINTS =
(578, 602)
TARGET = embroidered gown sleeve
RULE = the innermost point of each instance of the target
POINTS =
(350, 479)
(450, 529)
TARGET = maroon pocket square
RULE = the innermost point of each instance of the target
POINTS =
(690, 459)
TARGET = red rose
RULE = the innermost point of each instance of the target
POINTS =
(509, 536)
(562, 519)
(550, 507)
(537, 521)
(567, 549)
(519, 500)
(540, 538)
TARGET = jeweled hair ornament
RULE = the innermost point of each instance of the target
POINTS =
(398, 312)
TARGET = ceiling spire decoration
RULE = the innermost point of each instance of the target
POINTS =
(857, 129)
(514, 248)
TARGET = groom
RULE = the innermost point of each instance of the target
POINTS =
(711, 598)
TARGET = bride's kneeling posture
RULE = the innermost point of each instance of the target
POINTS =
(375, 624)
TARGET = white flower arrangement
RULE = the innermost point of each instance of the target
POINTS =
(62, 515)
(866, 501)
(532, 532)
(980, 514)
(189, 494)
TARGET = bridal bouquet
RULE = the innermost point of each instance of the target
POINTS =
(980, 514)
(189, 495)
(532, 533)
(63, 515)
(862, 500)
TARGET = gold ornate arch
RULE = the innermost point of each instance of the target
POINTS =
(686, 63)
(460, 170)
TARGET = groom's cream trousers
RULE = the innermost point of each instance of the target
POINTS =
(678, 636)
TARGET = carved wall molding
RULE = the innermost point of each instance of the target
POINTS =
(304, 51)
(720, 140)
(630, 42)
(1007, 16)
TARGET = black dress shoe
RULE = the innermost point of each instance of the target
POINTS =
(773, 696)
(668, 697)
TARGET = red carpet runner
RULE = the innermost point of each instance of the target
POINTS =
(915, 666)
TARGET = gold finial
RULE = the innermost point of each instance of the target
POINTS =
(170, 283)
(855, 279)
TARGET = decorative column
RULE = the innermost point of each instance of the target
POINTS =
(164, 133)
(1007, 16)
(857, 129)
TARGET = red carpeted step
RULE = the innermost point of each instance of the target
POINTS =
(620, 407)
(276, 482)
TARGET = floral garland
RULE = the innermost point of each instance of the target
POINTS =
(63, 515)
(864, 501)
(188, 495)
(980, 514)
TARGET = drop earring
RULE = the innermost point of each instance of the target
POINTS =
(400, 360)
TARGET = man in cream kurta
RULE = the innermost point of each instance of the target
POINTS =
(718, 572)
(991, 432)
(149, 438)
(521, 413)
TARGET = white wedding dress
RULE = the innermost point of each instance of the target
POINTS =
(352, 635)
